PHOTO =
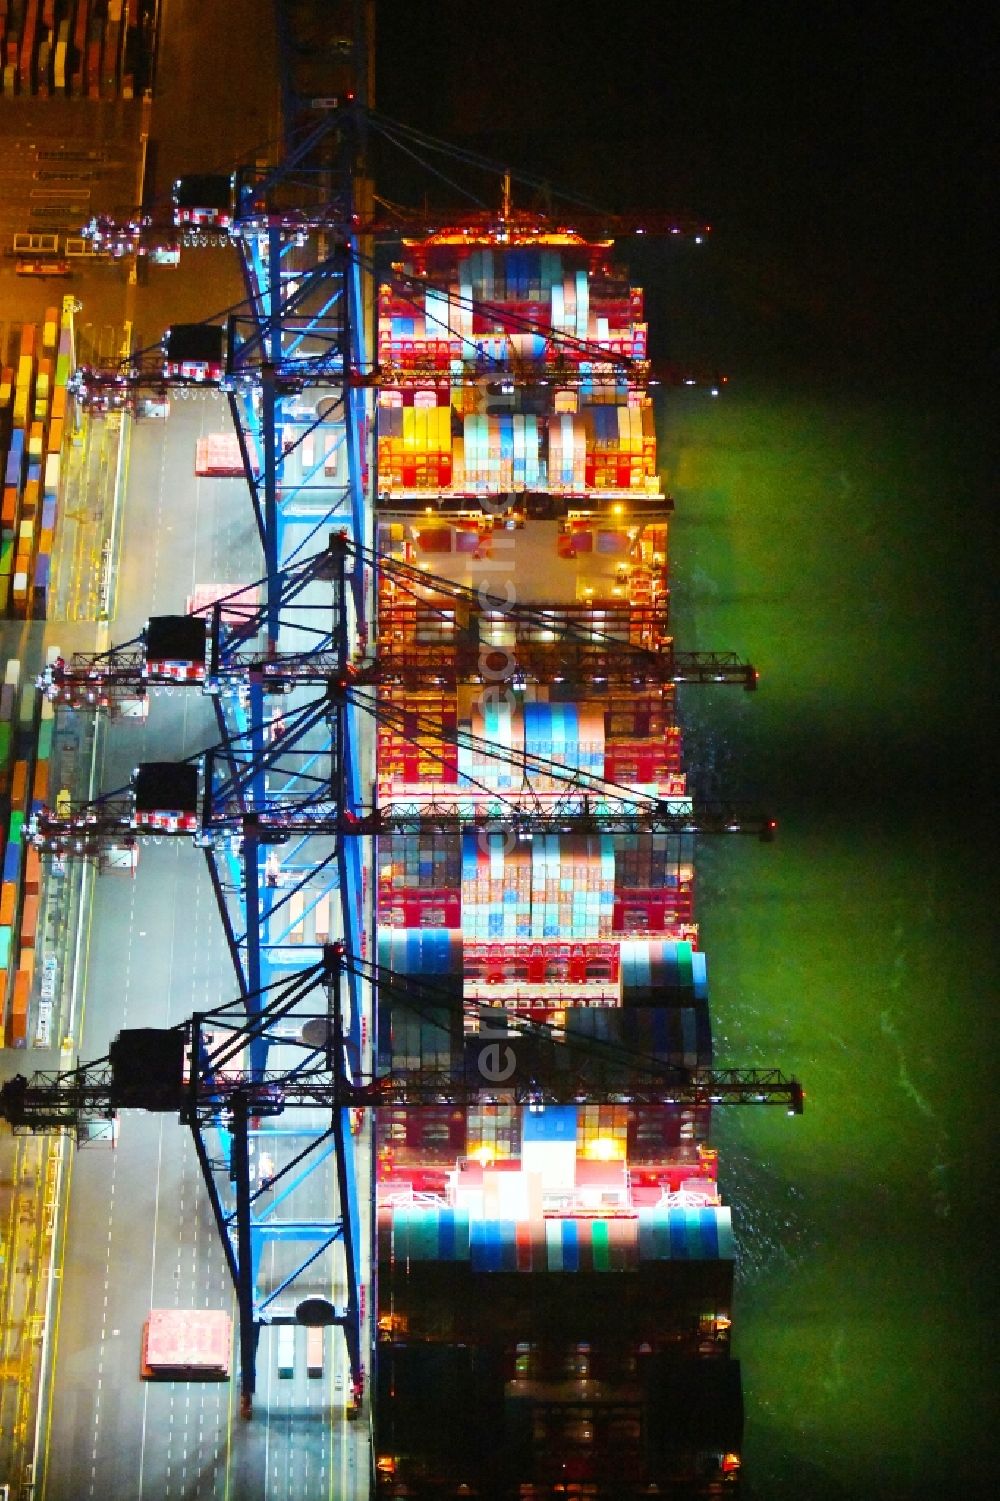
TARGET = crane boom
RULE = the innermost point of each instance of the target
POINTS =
(90, 830)
(96, 680)
(60, 1102)
(551, 643)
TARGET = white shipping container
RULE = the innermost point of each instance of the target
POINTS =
(314, 1351)
(286, 1350)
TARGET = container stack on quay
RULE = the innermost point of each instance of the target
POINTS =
(516, 462)
(33, 432)
(82, 49)
(26, 730)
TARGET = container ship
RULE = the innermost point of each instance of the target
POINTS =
(554, 1280)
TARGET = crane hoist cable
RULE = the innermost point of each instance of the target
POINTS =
(410, 580)
(383, 122)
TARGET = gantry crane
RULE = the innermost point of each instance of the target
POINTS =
(219, 208)
(152, 374)
(206, 650)
(201, 1071)
(303, 327)
(191, 651)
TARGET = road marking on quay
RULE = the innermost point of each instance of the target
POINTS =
(81, 969)
(111, 1205)
(152, 1275)
(104, 1325)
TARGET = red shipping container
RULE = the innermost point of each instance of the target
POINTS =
(440, 909)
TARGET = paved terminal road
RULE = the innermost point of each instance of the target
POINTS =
(180, 531)
(140, 1230)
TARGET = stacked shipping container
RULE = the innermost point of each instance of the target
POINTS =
(26, 727)
(94, 49)
(33, 410)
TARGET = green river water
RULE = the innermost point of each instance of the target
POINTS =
(841, 543)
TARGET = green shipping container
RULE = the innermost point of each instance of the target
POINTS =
(599, 1244)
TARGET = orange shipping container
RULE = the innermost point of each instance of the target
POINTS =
(58, 406)
(29, 921)
(22, 989)
(19, 784)
(27, 339)
(8, 901)
(40, 787)
(9, 515)
(19, 1009)
(32, 871)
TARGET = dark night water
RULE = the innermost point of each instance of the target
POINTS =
(856, 950)
(835, 522)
